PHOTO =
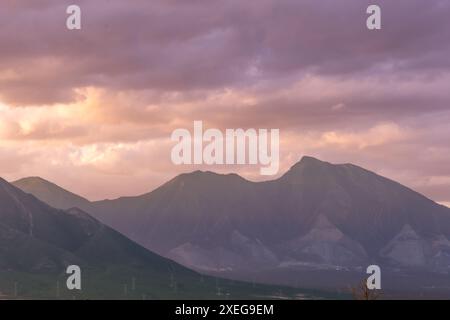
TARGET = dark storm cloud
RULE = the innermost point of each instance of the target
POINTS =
(203, 45)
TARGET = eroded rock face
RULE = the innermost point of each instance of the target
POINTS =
(240, 253)
(440, 260)
(325, 243)
(407, 249)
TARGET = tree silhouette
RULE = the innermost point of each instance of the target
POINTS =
(362, 292)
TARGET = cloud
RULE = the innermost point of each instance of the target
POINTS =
(206, 45)
(93, 109)
(378, 135)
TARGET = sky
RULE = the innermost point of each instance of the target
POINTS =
(93, 109)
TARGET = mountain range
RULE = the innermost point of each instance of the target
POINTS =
(38, 242)
(317, 215)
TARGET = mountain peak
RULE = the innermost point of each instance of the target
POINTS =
(310, 161)
(202, 176)
(307, 165)
(32, 178)
(51, 193)
(33, 181)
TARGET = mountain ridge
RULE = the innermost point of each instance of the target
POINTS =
(26, 183)
(38, 242)
(48, 191)
(69, 232)
(199, 214)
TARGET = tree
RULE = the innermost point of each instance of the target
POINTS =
(362, 292)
